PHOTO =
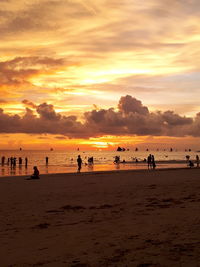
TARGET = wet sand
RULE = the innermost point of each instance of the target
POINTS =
(119, 218)
(51, 169)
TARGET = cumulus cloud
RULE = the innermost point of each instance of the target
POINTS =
(134, 118)
(129, 104)
(47, 112)
(47, 121)
(131, 118)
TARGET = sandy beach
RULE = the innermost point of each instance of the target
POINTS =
(119, 218)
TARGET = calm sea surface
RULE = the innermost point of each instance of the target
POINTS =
(65, 161)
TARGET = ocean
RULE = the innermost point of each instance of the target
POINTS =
(65, 161)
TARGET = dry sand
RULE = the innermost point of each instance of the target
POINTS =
(125, 218)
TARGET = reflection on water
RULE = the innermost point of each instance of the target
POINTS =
(90, 167)
(117, 166)
(8, 171)
(65, 161)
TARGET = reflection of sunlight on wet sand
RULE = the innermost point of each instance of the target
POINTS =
(50, 169)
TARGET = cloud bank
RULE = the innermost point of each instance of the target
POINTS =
(131, 118)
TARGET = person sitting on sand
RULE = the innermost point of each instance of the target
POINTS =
(35, 173)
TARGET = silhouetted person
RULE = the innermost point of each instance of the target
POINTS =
(11, 162)
(153, 162)
(149, 162)
(187, 159)
(79, 162)
(26, 162)
(3, 161)
(191, 164)
(14, 162)
(35, 173)
(197, 161)
(117, 159)
(47, 160)
(90, 160)
(20, 161)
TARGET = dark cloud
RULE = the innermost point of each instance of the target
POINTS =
(129, 104)
(47, 112)
(48, 121)
(173, 119)
(132, 118)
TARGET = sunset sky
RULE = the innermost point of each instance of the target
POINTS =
(99, 73)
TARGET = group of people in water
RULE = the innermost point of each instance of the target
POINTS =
(150, 160)
(12, 161)
(150, 163)
(190, 163)
(80, 162)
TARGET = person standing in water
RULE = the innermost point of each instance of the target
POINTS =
(79, 162)
(197, 161)
(153, 162)
(149, 161)
(47, 160)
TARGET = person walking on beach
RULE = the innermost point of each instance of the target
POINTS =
(79, 162)
(197, 161)
(149, 161)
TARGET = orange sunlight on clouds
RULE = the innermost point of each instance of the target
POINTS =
(74, 60)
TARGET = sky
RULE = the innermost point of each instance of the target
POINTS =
(97, 74)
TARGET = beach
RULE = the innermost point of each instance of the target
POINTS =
(112, 218)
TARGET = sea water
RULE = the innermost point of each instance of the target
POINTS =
(65, 161)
